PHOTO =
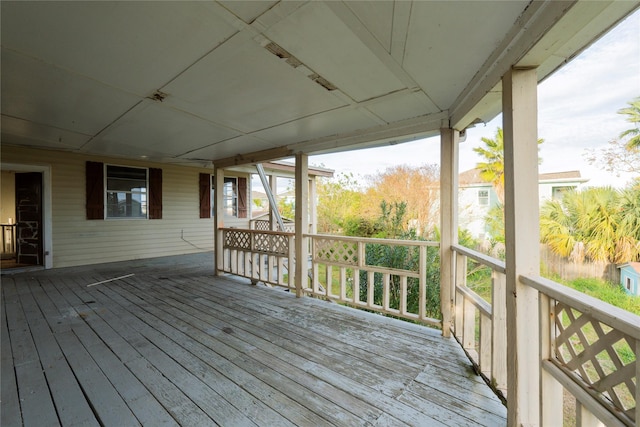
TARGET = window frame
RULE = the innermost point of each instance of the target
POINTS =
(234, 196)
(628, 283)
(106, 191)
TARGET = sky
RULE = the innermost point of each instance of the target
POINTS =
(577, 110)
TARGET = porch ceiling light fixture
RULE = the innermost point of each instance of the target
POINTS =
(158, 96)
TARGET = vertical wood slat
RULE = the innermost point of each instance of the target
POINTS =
(422, 292)
(290, 267)
(370, 288)
(385, 291)
(459, 280)
(356, 285)
(637, 394)
(551, 389)
(485, 355)
(343, 283)
(499, 331)
(403, 295)
(328, 290)
(469, 325)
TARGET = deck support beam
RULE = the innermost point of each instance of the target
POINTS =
(218, 219)
(449, 139)
(522, 234)
(302, 221)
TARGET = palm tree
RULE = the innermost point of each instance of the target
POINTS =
(602, 224)
(492, 169)
(633, 116)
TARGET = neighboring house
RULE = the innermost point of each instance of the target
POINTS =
(477, 197)
(630, 277)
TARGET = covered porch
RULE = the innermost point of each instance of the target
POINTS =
(170, 343)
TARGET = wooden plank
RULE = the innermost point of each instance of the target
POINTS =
(36, 404)
(9, 404)
(402, 411)
(174, 401)
(109, 406)
(70, 402)
(257, 364)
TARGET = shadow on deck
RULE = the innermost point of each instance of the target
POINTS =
(173, 344)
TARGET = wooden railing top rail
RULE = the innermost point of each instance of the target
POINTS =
(246, 230)
(375, 240)
(487, 260)
(615, 317)
(476, 299)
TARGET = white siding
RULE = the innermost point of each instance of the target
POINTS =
(78, 241)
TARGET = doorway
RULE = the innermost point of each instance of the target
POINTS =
(25, 217)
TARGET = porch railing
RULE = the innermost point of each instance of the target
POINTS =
(262, 256)
(339, 269)
(594, 347)
(344, 270)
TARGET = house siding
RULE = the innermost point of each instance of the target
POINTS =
(78, 241)
(629, 272)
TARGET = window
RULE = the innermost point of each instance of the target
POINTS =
(234, 196)
(483, 197)
(230, 196)
(122, 192)
(627, 283)
(126, 192)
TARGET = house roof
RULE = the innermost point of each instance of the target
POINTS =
(235, 82)
(634, 265)
(472, 177)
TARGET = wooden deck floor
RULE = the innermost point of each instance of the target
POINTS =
(174, 345)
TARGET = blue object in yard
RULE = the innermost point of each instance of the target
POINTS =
(630, 277)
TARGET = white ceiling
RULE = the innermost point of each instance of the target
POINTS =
(192, 81)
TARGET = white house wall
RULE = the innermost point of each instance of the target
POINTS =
(78, 241)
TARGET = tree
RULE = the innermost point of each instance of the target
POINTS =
(416, 186)
(617, 157)
(602, 224)
(492, 168)
(339, 203)
(633, 116)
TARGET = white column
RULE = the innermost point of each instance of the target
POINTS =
(313, 211)
(273, 182)
(302, 221)
(522, 235)
(218, 218)
(448, 222)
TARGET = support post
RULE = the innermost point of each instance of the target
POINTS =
(522, 235)
(218, 219)
(302, 221)
(313, 211)
(273, 222)
(449, 139)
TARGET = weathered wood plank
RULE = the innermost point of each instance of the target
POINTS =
(36, 405)
(341, 388)
(9, 404)
(179, 345)
(255, 366)
(175, 402)
(71, 406)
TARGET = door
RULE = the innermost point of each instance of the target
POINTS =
(29, 231)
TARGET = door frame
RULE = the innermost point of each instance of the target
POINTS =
(47, 216)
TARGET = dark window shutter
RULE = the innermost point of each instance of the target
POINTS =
(205, 195)
(155, 193)
(95, 190)
(242, 197)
